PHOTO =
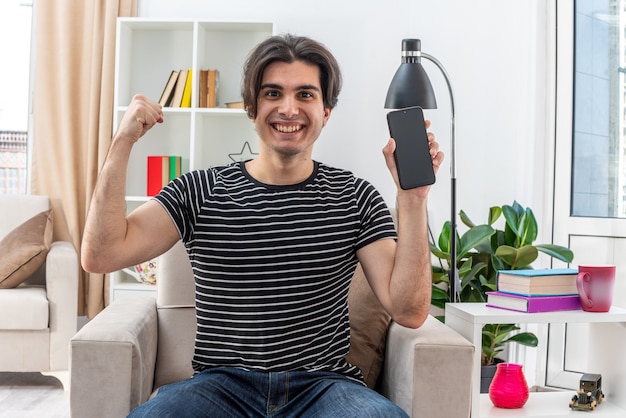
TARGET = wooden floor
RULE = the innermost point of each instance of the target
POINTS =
(30, 395)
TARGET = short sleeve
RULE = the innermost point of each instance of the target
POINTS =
(376, 220)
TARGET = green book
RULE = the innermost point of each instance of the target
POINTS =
(174, 166)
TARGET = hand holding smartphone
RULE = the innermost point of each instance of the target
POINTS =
(413, 160)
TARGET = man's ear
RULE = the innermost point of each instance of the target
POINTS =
(327, 112)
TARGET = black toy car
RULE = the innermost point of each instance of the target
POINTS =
(590, 393)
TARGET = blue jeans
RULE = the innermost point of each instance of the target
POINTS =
(229, 392)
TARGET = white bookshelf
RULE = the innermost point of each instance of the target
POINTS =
(147, 50)
(468, 319)
(123, 285)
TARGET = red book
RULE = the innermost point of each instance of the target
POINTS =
(532, 304)
(155, 174)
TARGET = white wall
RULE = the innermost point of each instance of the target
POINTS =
(495, 53)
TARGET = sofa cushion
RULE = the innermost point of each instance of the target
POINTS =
(24, 249)
(369, 323)
(24, 308)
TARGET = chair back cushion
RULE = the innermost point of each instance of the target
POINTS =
(176, 286)
(369, 323)
(177, 316)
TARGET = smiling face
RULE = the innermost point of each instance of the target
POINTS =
(290, 109)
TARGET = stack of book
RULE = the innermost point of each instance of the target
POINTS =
(209, 88)
(161, 170)
(177, 90)
(544, 290)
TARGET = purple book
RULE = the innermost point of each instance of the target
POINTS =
(532, 304)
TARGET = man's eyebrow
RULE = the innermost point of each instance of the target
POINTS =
(309, 87)
(271, 86)
(274, 86)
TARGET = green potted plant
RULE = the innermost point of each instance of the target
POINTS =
(482, 251)
(494, 339)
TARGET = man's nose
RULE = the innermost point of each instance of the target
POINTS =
(288, 107)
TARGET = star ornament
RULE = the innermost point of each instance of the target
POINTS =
(245, 154)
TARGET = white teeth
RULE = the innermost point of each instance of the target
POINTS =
(288, 129)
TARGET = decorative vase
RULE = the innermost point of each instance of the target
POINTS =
(508, 388)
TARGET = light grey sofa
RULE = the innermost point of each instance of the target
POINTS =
(137, 345)
(38, 317)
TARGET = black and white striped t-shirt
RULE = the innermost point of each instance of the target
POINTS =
(273, 264)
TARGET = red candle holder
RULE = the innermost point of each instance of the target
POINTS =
(508, 388)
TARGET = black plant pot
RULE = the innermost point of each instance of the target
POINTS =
(486, 375)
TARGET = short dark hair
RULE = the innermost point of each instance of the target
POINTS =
(289, 48)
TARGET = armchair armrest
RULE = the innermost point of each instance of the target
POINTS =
(61, 273)
(428, 370)
(113, 359)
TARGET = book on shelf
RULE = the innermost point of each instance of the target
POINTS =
(180, 89)
(541, 282)
(185, 101)
(234, 105)
(161, 170)
(208, 88)
(174, 167)
(168, 90)
(533, 304)
(213, 86)
(203, 93)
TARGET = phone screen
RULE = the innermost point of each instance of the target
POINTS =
(412, 155)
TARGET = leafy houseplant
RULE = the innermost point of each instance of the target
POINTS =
(482, 251)
(495, 336)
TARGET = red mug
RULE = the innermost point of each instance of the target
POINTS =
(595, 287)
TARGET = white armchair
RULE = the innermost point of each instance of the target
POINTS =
(38, 317)
(137, 345)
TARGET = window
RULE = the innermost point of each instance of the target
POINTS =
(599, 163)
(13, 151)
(15, 41)
(589, 213)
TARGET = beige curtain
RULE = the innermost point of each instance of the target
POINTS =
(72, 114)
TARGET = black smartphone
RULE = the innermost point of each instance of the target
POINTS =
(412, 155)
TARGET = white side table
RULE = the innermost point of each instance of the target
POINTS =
(468, 320)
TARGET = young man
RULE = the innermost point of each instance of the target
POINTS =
(274, 242)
